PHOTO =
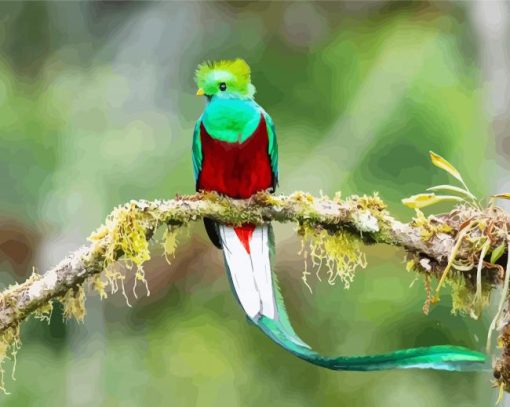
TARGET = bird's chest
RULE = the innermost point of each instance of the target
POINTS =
(236, 169)
(231, 120)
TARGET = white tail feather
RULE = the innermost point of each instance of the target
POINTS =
(251, 272)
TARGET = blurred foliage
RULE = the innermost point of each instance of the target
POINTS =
(97, 107)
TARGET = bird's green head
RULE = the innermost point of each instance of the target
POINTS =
(224, 79)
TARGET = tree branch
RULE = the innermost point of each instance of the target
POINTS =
(428, 242)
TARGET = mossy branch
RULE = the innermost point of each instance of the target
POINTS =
(431, 245)
(366, 215)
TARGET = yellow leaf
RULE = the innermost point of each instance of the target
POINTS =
(501, 393)
(503, 196)
(440, 162)
(452, 188)
(423, 200)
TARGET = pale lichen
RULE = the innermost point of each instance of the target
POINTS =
(366, 222)
(369, 215)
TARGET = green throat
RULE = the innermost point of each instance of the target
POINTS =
(231, 119)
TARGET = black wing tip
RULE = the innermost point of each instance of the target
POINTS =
(212, 231)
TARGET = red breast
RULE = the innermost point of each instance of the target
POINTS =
(237, 170)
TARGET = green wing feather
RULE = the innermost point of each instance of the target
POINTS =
(272, 146)
(197, 150)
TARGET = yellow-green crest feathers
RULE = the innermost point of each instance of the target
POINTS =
(235, 73)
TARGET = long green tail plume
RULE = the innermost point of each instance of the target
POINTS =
(453, 358)
(445, 357)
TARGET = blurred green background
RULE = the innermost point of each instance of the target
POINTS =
(97, 107)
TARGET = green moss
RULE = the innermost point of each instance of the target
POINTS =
(263, 198)
(10, 343)
(128, 235)
(124, 237)
(99, 285)
(339, 253)
(428, 291)
(74, 303)
(171, 241)
(301, 197)
(140, 277)
(463, 297)
(374, 203)
(114, 279)
(43, 313)
(429, 227)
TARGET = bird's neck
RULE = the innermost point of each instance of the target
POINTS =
(231, 120)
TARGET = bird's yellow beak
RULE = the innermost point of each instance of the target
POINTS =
(200, 92)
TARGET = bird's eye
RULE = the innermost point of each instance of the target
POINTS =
(223, 86)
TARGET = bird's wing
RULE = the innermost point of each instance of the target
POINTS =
(197, 150)
(272, 147)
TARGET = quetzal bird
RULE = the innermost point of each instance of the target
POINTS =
(235, 154)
